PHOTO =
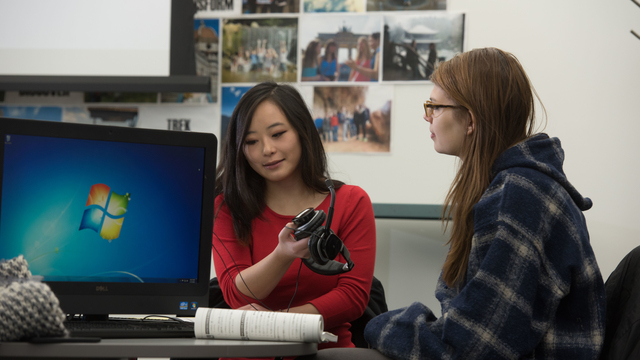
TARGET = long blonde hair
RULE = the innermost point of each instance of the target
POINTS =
(366, 53)
(492, 85)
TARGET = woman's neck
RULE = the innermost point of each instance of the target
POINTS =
(292, 197)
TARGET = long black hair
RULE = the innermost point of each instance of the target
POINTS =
(243, 188)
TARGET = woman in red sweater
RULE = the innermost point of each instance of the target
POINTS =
(273, 166)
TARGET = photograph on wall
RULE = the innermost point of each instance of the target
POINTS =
(353, 118)
(324, 6)
(414, 45)
(259, 49)
(172, 117)
(406, 5)
(49, 113)
(229, 99)
(205, 35)
(270, 6)
(343, 48)
(102, 115)
(214, 8)
(186, 98)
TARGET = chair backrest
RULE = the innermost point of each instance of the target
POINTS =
(622, 329)
(376, 306)
(216, 300)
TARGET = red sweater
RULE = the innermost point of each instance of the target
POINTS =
(339, 298)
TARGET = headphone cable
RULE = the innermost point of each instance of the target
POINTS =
(241, 278)
(296, 289)
(245, 283)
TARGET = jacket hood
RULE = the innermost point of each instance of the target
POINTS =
(545, 155)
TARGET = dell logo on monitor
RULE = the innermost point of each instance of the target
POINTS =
(102, 288)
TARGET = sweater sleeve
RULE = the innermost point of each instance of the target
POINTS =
(230, 258)
(509, 300)
(491, 318)
(348, 300)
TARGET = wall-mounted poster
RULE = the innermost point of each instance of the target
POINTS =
(353, 118)
(102, 115)
(259, 49)
(320, 6)
(43, 97)
(414, 45)
(206, 51)
(270, 6)
(404, 5)
(214, 8)
(51, 113)
(186, 98)
(205, 34)
(340, 48)
(120, 97)
(180, 118)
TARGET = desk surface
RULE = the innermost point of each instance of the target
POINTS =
(183, 348)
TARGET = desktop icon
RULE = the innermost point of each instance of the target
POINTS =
(105, 211)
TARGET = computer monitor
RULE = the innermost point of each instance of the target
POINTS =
(116, 220)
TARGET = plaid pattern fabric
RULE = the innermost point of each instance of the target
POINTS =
(533, 289)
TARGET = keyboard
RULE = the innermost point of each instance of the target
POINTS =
(130, 328)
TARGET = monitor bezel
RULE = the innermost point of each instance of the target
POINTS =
(100, 298)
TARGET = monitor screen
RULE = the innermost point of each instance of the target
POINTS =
(85, 37)
(99, 46)
(109, 217)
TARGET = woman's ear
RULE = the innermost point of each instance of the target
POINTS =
(472, 124)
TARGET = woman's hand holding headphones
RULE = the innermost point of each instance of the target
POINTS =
(289, 247)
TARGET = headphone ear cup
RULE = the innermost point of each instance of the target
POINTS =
(323, 250)
(304, 216)
(329, 247)
(315, 219)
(315, 243)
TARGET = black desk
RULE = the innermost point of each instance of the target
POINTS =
(165, 348)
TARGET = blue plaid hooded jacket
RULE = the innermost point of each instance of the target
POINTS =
(532, 290)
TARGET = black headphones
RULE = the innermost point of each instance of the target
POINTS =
(324, 244)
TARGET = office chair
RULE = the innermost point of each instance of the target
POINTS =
(622, 326)
(376, 306)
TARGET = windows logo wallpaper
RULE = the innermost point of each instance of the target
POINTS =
(81, 210)
(105, 212)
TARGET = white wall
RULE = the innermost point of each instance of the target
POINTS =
(409, 257)
(585, 65)
(75, 41)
